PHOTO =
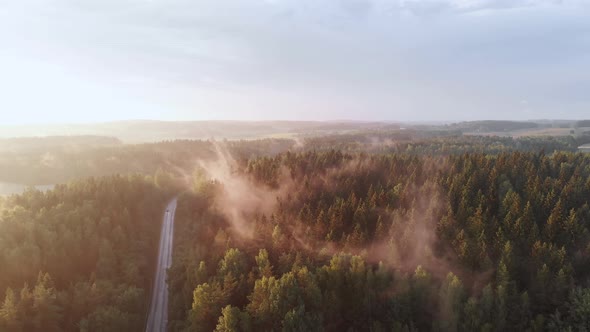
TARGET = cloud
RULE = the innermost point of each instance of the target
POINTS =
(308, 59)
(467, 6)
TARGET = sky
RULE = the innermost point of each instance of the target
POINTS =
(70, 61)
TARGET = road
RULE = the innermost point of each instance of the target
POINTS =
(158, 316)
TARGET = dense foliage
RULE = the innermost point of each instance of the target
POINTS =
(79, 257)
(440, 143)
(399, 230)
(465, 242)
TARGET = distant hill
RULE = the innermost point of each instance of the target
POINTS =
(61, 143)
(491, 126)
(147, 131)
(153, 131)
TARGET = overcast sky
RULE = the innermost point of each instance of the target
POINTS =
(102, 60)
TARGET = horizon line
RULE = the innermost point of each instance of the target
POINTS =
(384, 121)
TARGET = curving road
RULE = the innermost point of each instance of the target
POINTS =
(158, 316)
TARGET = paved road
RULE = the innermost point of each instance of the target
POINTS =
(158, 316)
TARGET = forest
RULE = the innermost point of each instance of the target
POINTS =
(358, 242)
(79, 257)
(387, 231)
(52, 160)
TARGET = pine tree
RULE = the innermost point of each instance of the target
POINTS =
(9, 313)
(46, 311)
(451, 303)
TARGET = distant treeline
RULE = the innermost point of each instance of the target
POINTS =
(27, 145)
(41, 161)
(442, 143)
(154, 131)
(58, 165)
(492, 126)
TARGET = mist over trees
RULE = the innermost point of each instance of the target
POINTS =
(392, 231)
(389, 242)
(52, 160)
